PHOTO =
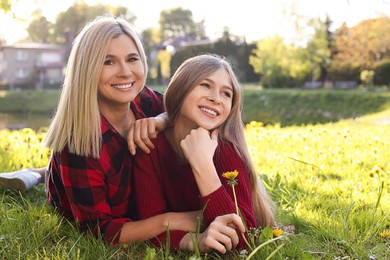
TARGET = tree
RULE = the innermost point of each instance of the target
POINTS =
(270, 60)
(40, 29)
(5, 5)
(362, 46)
(280, 65)
(70, 22)
(177, 22)
(319, 49)
(367, 77)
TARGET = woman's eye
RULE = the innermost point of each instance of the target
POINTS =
(108, 62)
(132, 59)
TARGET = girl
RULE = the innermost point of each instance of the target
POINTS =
(206, 139)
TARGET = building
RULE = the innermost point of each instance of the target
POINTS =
(31, 65)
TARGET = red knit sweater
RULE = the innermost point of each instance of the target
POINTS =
(163, 184)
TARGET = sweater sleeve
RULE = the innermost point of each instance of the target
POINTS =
(221, 201)
(150, 198)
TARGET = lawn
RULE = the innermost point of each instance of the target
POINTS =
(270, 106)
(330, 183)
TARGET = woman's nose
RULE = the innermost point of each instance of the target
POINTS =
(125, 70)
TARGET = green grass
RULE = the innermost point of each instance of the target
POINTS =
(30, 101)
(270, 106)
(297, 107)
(330, 181)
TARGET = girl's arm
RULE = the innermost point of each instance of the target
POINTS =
(199, 148)
(150, 197)
(151, 203)
(216, 194)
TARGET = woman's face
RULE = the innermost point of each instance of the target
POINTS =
(209, 103)
(123, 74)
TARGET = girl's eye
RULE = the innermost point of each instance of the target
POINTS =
(205, 85)
(228, 94)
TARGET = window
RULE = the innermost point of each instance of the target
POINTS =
(21, 73)
(21, 55)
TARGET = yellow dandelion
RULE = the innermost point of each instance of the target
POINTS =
(231, 180)
(277, 232)
(385, 233)
(230, 175)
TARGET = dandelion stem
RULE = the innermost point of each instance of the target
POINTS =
(262, 245)
(235, 200)
(275, 251)
(379, 195)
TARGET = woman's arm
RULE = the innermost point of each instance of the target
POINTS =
(145, 229)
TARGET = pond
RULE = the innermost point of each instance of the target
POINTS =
(18, 121)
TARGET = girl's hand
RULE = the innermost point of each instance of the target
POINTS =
(199, 148)
(199, 145)
(220, 235)
(142, 131)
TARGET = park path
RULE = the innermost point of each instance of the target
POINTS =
(382, 121)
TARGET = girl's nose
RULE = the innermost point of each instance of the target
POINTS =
(215, 97)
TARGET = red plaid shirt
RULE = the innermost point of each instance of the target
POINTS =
(98, 193)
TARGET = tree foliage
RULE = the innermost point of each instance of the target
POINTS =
(177, 22)
(5, 5)
(70, 22)
(319, 48)
(362, 46)
(270, 60)
(40, 29)
(326, 56)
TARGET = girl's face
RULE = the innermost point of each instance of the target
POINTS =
(209, 103)
(123, 75)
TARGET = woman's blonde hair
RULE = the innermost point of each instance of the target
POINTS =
(188, 75)
(77, 122)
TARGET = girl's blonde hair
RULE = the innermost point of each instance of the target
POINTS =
(77, 122)
(188, 75)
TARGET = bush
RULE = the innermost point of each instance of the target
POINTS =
(382, 73)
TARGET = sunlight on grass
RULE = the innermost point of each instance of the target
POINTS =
(331, 182)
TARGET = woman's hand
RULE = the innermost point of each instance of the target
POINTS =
(142, 131)
(221, 235)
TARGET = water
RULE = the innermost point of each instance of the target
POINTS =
(19, 121)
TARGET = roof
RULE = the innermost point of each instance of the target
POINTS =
(34, 45)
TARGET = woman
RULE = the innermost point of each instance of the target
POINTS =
(89, 177)
(184, 171)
